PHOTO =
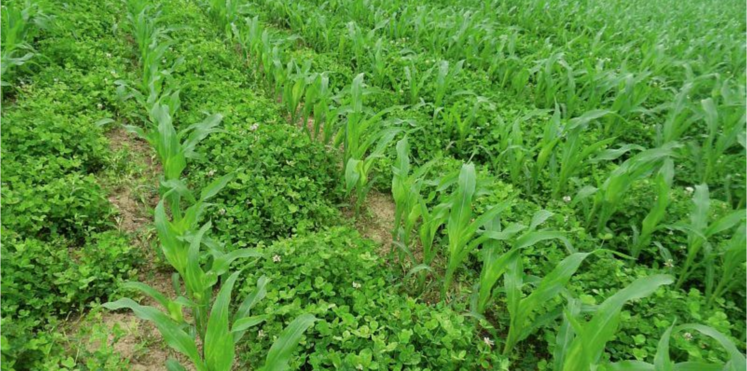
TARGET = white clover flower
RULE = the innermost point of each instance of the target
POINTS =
(211, 173)
(487, 341)
(108, 55)
(356, 285)
(688, 336)
(254, 127)
(100, 106)
(669, 263)
(260, 334)
(276, 258)
(689, 190)
(56, 79)
(222, 211)
(566, 199)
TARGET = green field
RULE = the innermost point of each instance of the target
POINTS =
(219, 185)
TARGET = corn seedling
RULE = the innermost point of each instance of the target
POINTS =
(225, 13)
(700, 231)
(432, 221)
(517, 237)
(359, 134)
(223, 329)
(360, 163)
(174, 148)
(610, 195)
(651, 223)
(679, 116)
(724, 130)
(326, 114)
(147, 29)
(377, 56)
(445, 79)
(580, 343)
(461, 227)
(19, 27)
(521, 310)
(416, 81)
(406, 187)
(574, 154)
(733, 255)
(296, 80)
(462, 126)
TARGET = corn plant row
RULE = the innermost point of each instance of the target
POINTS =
(201, 263)
(303, 90)
(558, 158)
(580, 343)
(559, 152)
(671, 120)
(490, 39)
(340, 119)
(466, 232)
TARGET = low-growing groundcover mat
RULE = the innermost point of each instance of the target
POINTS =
(557, 185)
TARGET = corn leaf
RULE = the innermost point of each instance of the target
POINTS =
(282, 349)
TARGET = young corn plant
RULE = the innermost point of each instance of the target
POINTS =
(573, 153)
(445, 79)
(732, 256)
(432, 221)
(296, 81)
(679, 116)
(416, 80)
(461, 226)
(223, 328)
(580, 343)
(359, 166)
(460, 125)
(663, 361)
(700, 230)
(406, 193)
(725, 128)
(225, 13)
(406, 188)
(378, 59)
(609, 197)
(522, 309)
(496, 260)
(362, 132)
(19, 27)
(147, 28)
(652, 222)
(326, 110)
(157, 85)
(174, 148)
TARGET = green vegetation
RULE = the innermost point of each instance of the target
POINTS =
(567, 184)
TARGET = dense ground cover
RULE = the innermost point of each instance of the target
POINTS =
(555, 185)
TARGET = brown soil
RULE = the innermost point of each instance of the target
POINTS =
(377, 220)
